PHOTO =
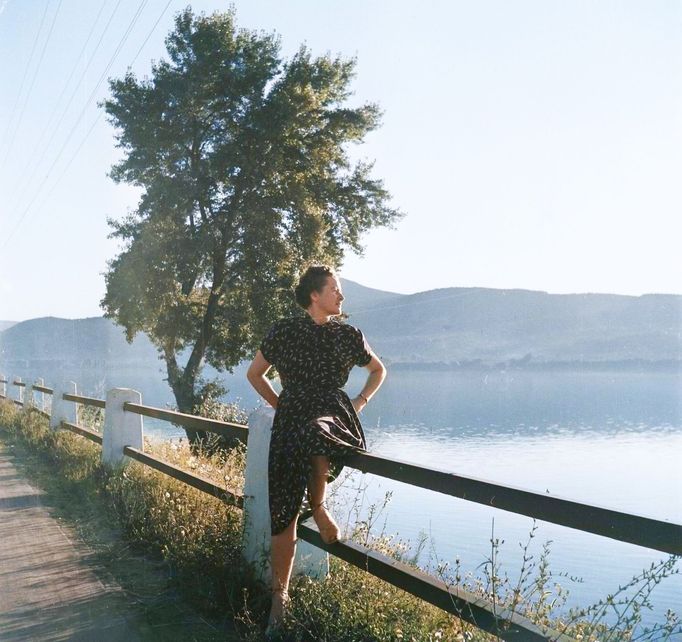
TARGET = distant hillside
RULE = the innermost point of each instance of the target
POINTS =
(6, 324)
(451, 327)
(77, 341)
(358, 297)
(463, 324)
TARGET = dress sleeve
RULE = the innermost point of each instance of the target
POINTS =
(271, 344)
(362, 353)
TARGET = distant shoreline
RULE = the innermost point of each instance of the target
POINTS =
(472, 365)
(628, 365)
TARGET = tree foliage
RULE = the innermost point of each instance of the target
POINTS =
(243, 164)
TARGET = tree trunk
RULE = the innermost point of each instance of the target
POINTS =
(182, 385)
(182, 381)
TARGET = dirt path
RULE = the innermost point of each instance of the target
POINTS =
(48, 591)
(67, 574)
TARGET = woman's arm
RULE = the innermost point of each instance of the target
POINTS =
(377, 374)
(256, 376)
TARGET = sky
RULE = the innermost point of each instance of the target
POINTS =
(530, 144)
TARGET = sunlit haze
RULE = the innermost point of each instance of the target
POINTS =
(533, 145)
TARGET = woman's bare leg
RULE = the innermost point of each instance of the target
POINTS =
(317, 491)
(283, 549)
(283, 545)
(317, 482)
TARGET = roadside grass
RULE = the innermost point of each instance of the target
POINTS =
(177, 551)
(67, 468)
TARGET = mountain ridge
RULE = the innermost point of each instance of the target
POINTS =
(472, 325)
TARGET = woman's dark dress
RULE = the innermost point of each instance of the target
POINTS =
(314, 415)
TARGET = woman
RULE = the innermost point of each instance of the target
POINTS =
(316, 423)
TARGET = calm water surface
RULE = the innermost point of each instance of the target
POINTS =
(612, 440)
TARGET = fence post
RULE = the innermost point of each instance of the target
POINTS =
(62, 410)
(29, 398)
(310, 560)
(121, 428)
(41, 382)
(76, 406)
(20, 391)
(3, 386)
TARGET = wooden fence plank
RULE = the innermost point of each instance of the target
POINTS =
(471, 608)
(84, 401)
(88, 433)
(224, 428)
(200, 483)
(634, 529)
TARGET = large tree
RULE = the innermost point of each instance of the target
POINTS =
(242, 159)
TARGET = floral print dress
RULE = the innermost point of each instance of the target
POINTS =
(314, 415)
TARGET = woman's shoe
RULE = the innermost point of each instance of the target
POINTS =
(329, 529)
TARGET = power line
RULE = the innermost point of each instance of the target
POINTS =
(91, 129)
(168, 4)
(28, 66)
(80, 55)
(99, 81)
(65, 111)
(48, 126)
(78, 120)
(33, 82)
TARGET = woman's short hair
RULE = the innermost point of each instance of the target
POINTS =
(312, 280)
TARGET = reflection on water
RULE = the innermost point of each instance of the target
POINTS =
(610, 439)
(523, 403)
(631, 471)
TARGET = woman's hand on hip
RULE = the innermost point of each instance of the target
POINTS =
(358, 403)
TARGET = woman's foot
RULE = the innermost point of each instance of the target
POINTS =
(280, 600)
(329, 529)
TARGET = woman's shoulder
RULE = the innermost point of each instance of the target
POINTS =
(297, 322)
(346, 329)
(282, 333)
(287, 323)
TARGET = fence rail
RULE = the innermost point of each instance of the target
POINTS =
(200, 483)
(88, 433)
(624, 527)
(482, 612)
(84, 401)
(472, 608)
(223, 428)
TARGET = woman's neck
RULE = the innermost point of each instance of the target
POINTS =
(319, 317)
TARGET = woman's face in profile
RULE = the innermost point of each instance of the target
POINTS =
(330, 298)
